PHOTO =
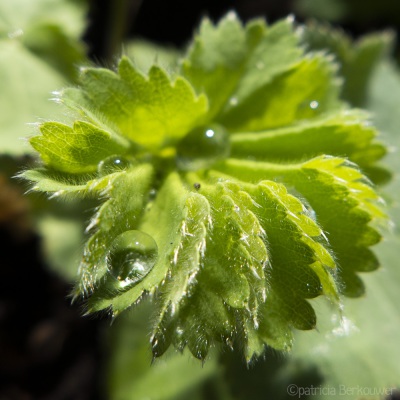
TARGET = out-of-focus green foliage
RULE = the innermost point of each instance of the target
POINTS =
(357, 60)
(39, 53)
(358, 12)
(145, 54)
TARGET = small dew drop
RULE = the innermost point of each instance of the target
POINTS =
(112, 164)
(202, 147)
(56, 100)
(260, 65)
(132, 256)
(152, 194)
(210, 133)
(231, 16)
(290, 18)
(314, 104)
(264, 295)
(233, 101)
(255, 322)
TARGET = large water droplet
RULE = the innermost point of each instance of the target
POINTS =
(112, 164)
(202, 147)
(132, 256)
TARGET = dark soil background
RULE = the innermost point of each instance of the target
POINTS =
(48, 351)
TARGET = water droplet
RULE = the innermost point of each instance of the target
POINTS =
(112, 164)
(231, 16)
(152, 194)
(290, 18)
(202, 147)
(314, 104)
(132, 256)
(260, 65)
(233, 101)
(210, 133)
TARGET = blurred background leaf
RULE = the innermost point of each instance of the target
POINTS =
(40, 49)
(131, 375)
(144, 54)
(361, 13)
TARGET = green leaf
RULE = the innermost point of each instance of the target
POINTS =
(374, 366)
(45, 41)
(238, 287)
(114, 217)
(61, 243)
(383, 101)
(303, 92)
(23, 98)
(57, 183)
(333, 190)
(348, 132)
(374, 361)
(76, 149)
(230, 218)
(21, 14)
(163, 222)
(130, 375)
(229, 62)
(328, 10)
(152, 111)
(360, 13)
(145, 54)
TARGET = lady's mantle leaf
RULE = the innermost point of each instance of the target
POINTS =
(334, 190)
(76, 149)
(152, 111)
(346, 132)
(222, 206)
(229, 62)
